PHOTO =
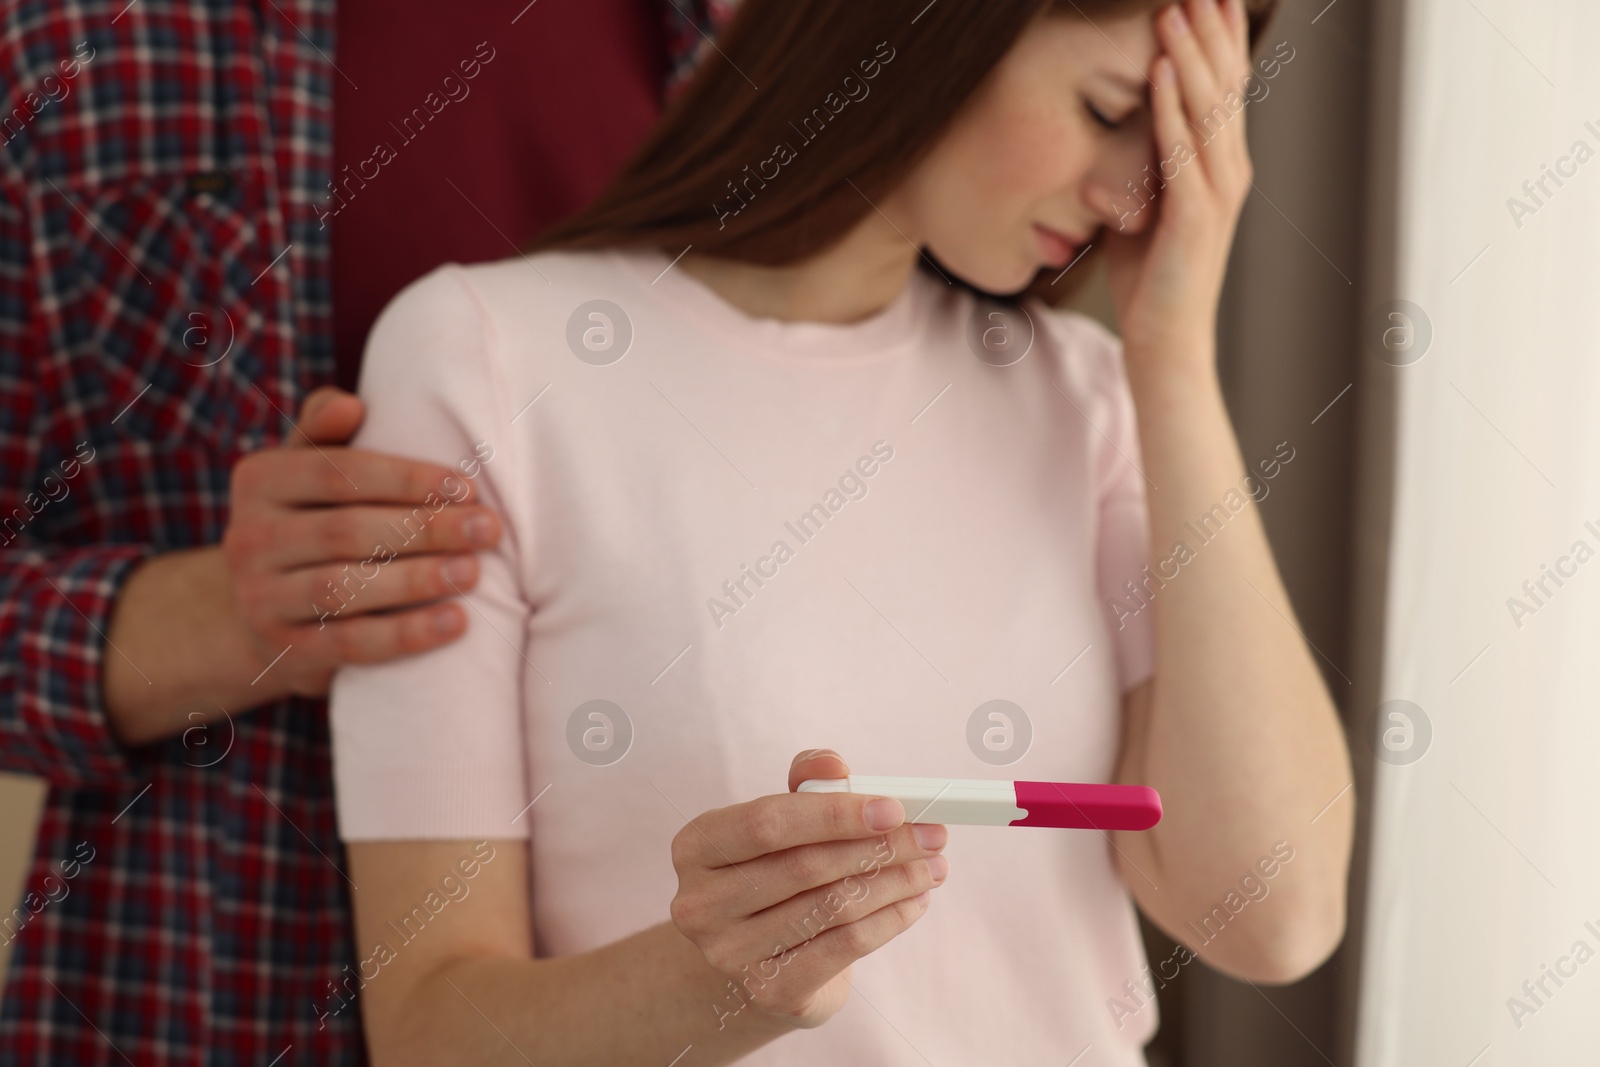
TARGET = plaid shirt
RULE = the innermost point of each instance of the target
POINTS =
(160, 167)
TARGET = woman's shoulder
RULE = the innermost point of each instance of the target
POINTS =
(483, 304)
(1077, 334)
(518, 287)
(539, 283)
(1081, 349)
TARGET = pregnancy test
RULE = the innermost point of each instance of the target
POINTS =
(983, 802)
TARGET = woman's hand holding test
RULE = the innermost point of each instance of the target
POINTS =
(783, 893)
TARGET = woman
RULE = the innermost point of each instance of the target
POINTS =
(773, 474)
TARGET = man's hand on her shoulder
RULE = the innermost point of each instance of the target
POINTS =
(333, 555)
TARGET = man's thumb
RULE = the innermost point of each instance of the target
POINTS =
(329, 416)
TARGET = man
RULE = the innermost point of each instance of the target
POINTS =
(203, 205)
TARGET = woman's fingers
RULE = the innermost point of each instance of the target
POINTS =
(738, 892)
(1227, 54)
(1209, 57)
(850, 899)
(1220, 43)
(741, 832)
(811, 964)
(783, 893)
(1239, 25)
(1183, 44)
(1169, 124)
(815, 935)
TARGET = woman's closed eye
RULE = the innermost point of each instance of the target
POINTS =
(1101, 119)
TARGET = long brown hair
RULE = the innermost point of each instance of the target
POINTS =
(770, 155)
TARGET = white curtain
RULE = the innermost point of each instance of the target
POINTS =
(1485, 870)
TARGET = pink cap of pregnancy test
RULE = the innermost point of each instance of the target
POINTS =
(1088, 807)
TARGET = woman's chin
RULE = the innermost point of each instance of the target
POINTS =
(1007, 280)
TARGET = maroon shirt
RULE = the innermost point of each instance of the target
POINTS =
(460, 133)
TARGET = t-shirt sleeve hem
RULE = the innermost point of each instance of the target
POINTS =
(1136, 662)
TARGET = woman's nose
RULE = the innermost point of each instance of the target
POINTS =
(1123, 187)
(1126, 210)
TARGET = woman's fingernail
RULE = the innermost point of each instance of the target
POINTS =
(446, 621)
(458, 570)
(930, 835)
(938, 866)
(480, 530)
(885, 813)
(923, 898)
(1177, 21)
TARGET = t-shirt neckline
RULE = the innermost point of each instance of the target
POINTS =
(885, 333)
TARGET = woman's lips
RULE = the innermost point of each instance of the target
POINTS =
(1058, 248)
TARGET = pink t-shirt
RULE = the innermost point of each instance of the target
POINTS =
(729, 539)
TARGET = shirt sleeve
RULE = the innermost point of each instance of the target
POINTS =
(55, 608)
(1123, 527)
(55, 602)
(431, 746)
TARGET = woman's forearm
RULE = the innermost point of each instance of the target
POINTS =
(1240, 737)
(644, 999)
